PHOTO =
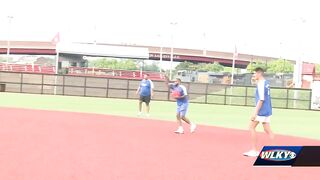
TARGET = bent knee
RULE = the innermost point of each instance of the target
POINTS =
(252, 129)
(268, 131)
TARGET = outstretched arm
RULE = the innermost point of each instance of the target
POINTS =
(166, 81)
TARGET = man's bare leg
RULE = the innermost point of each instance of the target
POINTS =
(253, 132)
(192, 125)
(140, 108)
(179, 120)
(254, 151)
(180, 128)
(185, 119)
(147, 108)
(267, 129)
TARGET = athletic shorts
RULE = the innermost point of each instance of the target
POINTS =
(145, 99)
(263, 119)
(182, 109)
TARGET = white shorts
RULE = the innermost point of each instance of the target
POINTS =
(263, 119)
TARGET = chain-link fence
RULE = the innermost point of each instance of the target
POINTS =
(124, 88)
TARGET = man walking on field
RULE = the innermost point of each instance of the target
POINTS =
(145, 90)
(262, 112)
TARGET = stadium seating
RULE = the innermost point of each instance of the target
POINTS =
(97, 72)
(122, 74)
(27, 68)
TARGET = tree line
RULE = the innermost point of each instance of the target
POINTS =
(276, 66)
(124, 64)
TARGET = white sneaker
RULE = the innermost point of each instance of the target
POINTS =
(139, 114)
(147, 115)
(193, 127)
(251, 153)
(179, 130)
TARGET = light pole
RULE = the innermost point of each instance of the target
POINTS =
(204, 44)
(141, 63)
(299, 63)
(297, 76)
(8, 40)
(173, 24)
(95, 34)
(161, 46)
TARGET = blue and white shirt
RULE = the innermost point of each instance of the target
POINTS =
(183, 91)
(145, 87)
(263, 93)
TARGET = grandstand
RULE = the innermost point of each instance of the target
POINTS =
(98, 72)
(112, 73)
(34, 68)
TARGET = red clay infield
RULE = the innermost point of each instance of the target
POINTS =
(49, 145)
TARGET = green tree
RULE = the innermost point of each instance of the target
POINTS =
(127, 65)
(109, 63)
(152, 67)
(4, 59)
(276, 66)
(280, 66)
(227, 69)
(252, 66)
(186, 66)
(213, 67)
(318, 68)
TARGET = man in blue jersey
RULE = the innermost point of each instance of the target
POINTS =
(182, 105)
(262, 112)
(145, 90)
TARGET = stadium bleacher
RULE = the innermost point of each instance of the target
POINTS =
(122, 74)
(81, 71)
(27, 68)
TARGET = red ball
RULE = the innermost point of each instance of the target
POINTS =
(175, 94)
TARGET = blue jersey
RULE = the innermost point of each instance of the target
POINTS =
(145, 87)
(263, 93)
(182, 91)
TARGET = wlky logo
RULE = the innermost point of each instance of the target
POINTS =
(277, 155)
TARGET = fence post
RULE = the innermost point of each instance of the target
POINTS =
(246, 97)
(168, 95)
(127, 88)
(206, 96)
(287, 105)
(310, 99)
(85, 86)
(107, 89)
(225, 95)
(63, 83)
(42, 82)
(21, 82)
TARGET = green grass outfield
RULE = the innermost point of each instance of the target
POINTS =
(303, 95)
(288, 122)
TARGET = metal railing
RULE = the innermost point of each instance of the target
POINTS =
(125, 88)
(33, 68)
